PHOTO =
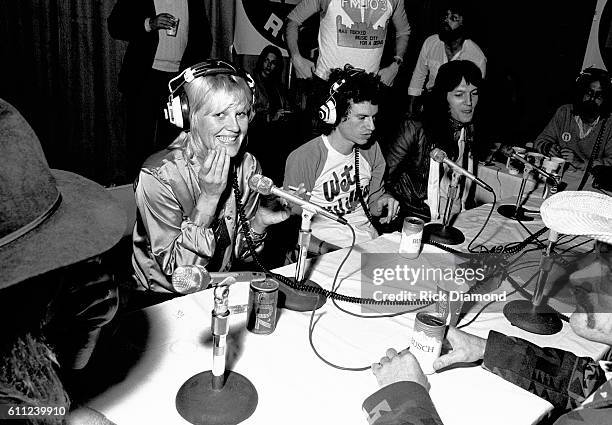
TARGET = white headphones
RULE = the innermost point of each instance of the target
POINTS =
(327, 111)
(177, 107)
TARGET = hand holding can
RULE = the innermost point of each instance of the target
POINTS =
(172, 31)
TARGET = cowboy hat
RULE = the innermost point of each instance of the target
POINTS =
(579, 213)
(48, 218)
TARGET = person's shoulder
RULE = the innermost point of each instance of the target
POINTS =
(565, 110)
(473, 46)
(307, 149)
(432, 39)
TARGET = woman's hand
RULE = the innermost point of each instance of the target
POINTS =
(214, 172)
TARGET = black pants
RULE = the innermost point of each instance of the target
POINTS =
(147, 131)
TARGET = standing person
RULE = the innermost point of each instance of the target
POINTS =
(272, 132)
(342, 170)
(451, 43)
(564, 379)
(573, 131)
(447, 124)
(57, 289)
(189, 195)
(349, 33)
(164, 36)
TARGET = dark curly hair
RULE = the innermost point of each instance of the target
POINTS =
(583, 83)
(358, 86)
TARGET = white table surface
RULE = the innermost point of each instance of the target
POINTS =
(163, 345)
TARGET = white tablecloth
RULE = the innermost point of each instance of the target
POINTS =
(157, 349)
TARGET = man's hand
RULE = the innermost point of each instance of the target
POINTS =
(554, 150)
(467, 348)
(214, 172)
(163, 21)
(387, 75)
(567, 154)
(396, 367)
(304, 68)
(392, 208)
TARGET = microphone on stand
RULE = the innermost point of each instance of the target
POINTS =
(536, 316)
(289, 297)
(440, 156)
(194, 278)
(265, 186)
(216, 396)
(510, 153)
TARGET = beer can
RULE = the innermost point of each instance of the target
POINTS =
(172, 31)
(412, 233)
(426, 341)
(263, 300)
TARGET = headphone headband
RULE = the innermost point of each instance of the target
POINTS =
(327, 111)
(177, 108)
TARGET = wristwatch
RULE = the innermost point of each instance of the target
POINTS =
(398, 60)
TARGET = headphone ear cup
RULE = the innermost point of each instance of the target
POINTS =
(173, 111)
(327, 111)
(184, 105)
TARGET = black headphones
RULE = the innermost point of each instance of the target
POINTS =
(327, 111)
(177, 107)
(596, 73)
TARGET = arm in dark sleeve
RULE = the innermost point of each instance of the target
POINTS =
(126, 20)
(406, 148)
(401, 403)
(560, 377)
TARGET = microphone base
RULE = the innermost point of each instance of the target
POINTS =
(447, 235)
(200, 404)
(541, 320)
(295, 300)
(513, 213)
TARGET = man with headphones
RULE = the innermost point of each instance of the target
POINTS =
(581, 132)
(195, 206)
(342, 170)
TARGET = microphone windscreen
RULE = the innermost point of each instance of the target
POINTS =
(190, 279)
(261, 184)
(437, 155)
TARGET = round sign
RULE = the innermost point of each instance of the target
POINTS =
(268, 17)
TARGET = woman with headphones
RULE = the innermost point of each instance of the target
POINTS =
(190, 195)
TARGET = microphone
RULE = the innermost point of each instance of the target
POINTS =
(265, 186)
(510, 153)
(439, 155)
(194, 278)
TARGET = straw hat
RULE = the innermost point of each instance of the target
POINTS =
(579, 213)
(48, 218)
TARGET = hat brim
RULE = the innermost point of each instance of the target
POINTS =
(87, 223)
(579, 213)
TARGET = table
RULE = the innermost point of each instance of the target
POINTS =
(157, 349)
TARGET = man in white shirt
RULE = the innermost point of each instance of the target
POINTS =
(451, 43)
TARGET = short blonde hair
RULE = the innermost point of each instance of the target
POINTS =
(202, 95)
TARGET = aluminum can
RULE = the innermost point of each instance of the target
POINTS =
(426, 341)
(262, 309)
(412, 234)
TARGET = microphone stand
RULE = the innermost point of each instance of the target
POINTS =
(293, 299)
(536, 316)
(516, 212)
(217, 397)
(442, 232)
